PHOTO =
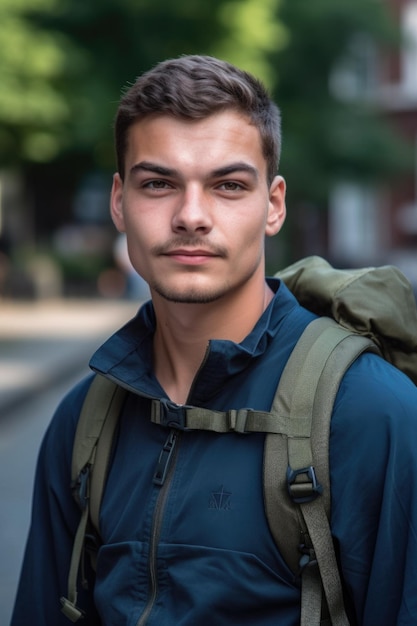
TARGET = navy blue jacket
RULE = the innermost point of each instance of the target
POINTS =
(198, 551)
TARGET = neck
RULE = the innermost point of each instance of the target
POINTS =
(183, 332)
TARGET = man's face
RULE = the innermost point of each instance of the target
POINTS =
(196, 206)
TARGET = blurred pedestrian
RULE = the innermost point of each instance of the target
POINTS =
(136, 288)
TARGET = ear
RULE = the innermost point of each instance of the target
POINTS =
(116, 203)
(277, 210)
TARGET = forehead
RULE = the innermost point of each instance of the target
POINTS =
(206, 143)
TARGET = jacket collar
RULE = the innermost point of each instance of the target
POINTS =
(126, 357)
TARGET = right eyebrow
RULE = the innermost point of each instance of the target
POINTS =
(155, 168)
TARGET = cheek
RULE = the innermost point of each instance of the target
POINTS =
(253, 234)
(141, 227)
(142, 235)
(249, 245)
(253, 241)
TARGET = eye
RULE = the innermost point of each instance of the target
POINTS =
(156, 184)
(231, 185)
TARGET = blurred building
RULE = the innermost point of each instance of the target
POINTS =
(369, 225)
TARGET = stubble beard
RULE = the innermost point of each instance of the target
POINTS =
(197, 294)
(189, 295)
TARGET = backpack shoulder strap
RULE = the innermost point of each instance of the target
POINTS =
(110, 401)
(90, 456)
(296, 469)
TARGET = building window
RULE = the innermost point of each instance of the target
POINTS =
(354, 218)
(355, 74)
(409, 54)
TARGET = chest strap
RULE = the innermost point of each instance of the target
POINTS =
(184, 417)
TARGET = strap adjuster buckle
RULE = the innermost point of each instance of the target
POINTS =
(302, 484)
(237, 420)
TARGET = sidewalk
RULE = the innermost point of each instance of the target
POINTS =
(42, 342)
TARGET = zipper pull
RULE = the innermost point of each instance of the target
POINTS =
(165, 458)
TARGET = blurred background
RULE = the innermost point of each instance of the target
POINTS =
(344, 73)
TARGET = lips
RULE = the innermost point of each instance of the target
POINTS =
(191, 257)
(186, 252)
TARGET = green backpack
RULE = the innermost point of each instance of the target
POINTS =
(371, 309)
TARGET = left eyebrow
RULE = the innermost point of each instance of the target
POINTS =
(234, 168)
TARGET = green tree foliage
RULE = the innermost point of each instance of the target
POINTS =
(32, 107)
(252, 33)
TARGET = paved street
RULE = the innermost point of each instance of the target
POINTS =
(41, 341)
(44, 350)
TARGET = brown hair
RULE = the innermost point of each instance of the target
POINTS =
(194, 87)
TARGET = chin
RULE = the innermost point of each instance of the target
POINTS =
(189, 295)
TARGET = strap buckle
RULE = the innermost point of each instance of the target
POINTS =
(172, 415)
(302, 484)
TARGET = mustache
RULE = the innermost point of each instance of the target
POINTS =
(189, 242)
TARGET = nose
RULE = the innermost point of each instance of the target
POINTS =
(192, 214)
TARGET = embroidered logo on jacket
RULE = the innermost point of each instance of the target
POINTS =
(220, 500)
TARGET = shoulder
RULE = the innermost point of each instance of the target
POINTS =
(374, 423)
(375, 391)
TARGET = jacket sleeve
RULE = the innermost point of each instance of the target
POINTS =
(55, 517)
(373, 460)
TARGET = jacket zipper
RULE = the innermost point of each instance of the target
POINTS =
(162, 478)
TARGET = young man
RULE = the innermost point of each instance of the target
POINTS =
(196, 192)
